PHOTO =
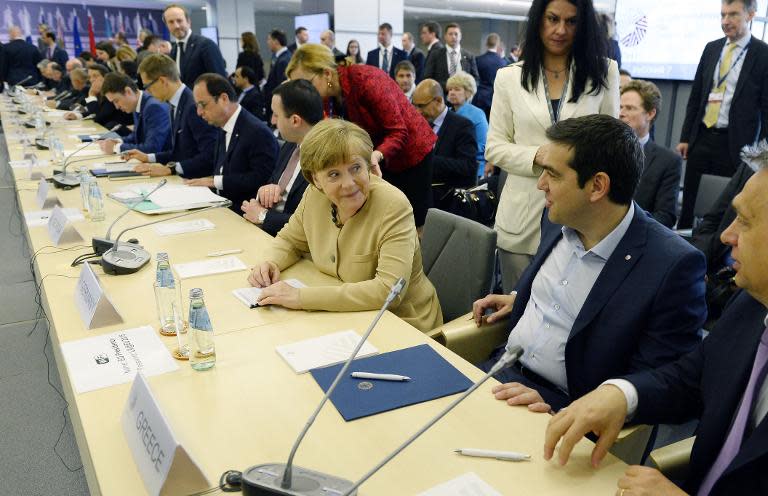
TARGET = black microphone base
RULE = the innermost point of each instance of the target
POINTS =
(67, 181)
(265, 480)
(101, 245)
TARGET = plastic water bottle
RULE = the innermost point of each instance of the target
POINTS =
(58, 150)
(202, 352)
(95, 201)
(85, 178)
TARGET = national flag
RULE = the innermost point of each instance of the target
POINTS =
(91, 34)
(107, 25)
(60, 29)
(76, 37)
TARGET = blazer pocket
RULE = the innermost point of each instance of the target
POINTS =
(368, 257)
(513, 211)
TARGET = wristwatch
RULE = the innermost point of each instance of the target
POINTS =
(172, 166)
(262, 216)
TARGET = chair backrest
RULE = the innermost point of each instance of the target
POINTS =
(709, 191)
(458, 258)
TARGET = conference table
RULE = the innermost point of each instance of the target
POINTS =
(250, 407)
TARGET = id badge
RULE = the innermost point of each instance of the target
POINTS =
(716, 97)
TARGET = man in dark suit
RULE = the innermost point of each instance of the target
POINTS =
(301, 37)
(53, 52)
(451, 58)
(245, 149)
(387, 55)
(194, 54)
(454, 163)
(97, 105)
(728, 106)
(722, 383)
(414, 54)
(151, 118)
(610, 290)
(487, 65)
(250, 98)
(430, 33)
(296, 107)
(328, 38)
(660, 182)
(77, 93)
(192, 139)
(280, 57)
(21, 60)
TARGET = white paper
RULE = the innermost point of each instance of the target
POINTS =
(249, 296)
(171, 228)
(110, 359)
(115, 167)
(40, 218)
(23, 164)
(60, 229)
(171, 195)
(42, 193)
(209, 267)
(85, 152)
(468, 484)
(323, 351)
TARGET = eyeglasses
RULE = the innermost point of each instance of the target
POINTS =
(202, 105)
(422, 105)
(148, 86)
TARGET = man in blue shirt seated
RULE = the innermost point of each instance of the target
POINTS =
(151, 118)
(610, 290)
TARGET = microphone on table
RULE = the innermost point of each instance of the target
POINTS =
(101, 245)
(282, 479)
(23, 80)
(62, 95)
(128, 258)
(64, 180)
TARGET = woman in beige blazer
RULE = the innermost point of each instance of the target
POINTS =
(355, 227)
(563, 73)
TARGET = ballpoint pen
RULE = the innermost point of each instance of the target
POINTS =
(509, 456)
(380, 377)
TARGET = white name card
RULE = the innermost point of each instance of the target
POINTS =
(165, 466)
(96, 309)
(60, 229)
(43, 202)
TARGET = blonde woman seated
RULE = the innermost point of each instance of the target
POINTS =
(355, 226)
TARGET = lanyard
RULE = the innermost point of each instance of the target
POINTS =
(720, 81)
(562, 97)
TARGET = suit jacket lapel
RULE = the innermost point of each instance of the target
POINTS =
(619, 265)
(138, 129)
(709, 71)
(746, 69)
(569, 109)
(537, 104)
(650, 155)
(234, 138)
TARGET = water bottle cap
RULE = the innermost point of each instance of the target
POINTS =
(162, 256)
(196, 293)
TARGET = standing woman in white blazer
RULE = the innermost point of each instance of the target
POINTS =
(563, 73)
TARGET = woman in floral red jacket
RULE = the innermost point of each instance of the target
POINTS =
(366, 95)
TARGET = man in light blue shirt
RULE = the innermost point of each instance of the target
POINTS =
(610, 289)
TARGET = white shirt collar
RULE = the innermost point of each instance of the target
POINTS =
(458, 48)
(177, 96)
(743, 41)
(280, 52)
(298, 43)
(387, 48)
(409, 94)
(438, 122)
(605, 248)
(246, 90)
(186, 38)
(645, 139)
(230, 124)
(432, 44)
(138, 105)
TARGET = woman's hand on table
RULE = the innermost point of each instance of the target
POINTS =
(264, 275)
(280, 293)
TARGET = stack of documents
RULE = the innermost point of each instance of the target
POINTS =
(323, 351)
(169, 198)
(250, 296)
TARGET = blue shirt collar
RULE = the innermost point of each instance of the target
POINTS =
(605, 248)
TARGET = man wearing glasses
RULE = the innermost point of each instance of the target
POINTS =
(192, 139)
(151, 119)
(245, 151)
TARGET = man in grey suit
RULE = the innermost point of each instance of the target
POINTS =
(660, 182)
(450, 59)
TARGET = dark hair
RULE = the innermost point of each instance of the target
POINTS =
(433, 27)
(130, 68)
(299, 30)
(385, 25)
(148, 40)
(54, 66)
(100, 68)
(250, 43)
(624, 72)
(248, 74)
(217, 85)
(106, 46)
(300, 97)
(279, 37)
(589, 52)
(406, 65)
(51, 35)
(452, 25)
(358, 57)
(602, 143)
(114, 82)
(749, 5)
(85, 56)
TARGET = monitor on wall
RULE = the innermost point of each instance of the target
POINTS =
(315, 24)
(663, 39)
(210, 32)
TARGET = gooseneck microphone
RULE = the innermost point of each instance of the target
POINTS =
(23, 80)
(64, 180)
(509, 357)
(101, 245)
(279, 479)
(129, 257)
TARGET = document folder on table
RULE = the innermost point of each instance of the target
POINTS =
(431, 377)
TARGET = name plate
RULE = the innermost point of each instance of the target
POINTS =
(96, 309)
(165, 466)
(60, 229)
(43, 188)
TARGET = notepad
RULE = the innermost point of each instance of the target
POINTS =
(172, 228)
(250, 296)
(468, 484)
(431, 377)
(209, 267)
(324, 351)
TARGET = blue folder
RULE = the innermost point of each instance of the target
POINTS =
(431, 377)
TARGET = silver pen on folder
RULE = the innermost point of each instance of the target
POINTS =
(380, 377)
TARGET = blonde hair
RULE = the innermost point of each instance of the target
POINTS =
(333, 142)
(125, 53)
(312, 57)
(463, 80)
